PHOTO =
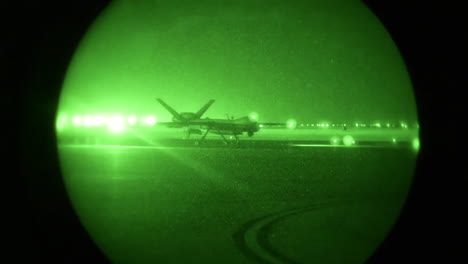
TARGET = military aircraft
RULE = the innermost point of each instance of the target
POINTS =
(194, 124)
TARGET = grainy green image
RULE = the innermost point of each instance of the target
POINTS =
(305, 155)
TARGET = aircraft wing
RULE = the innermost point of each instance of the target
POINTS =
(214, 124)
(170, 124)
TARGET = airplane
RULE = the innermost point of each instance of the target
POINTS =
(194, 124)
(185, 117)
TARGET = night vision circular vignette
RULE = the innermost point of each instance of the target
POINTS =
(237, 132)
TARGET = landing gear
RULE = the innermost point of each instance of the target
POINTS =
(225, 140)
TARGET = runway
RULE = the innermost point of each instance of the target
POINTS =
(251, 204)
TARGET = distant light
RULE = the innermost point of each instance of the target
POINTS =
(116, 124)
(151, 120)
(253, 116)
(357, 124)
(394, 140)
(312, 125)
(378, 124)
(260, 125)
(77, 120)
(415, 144)
(59, 126)
(334, 140)
(348, 140)
(98, 120)
(388, 125)
(291, 123)
(132, 120)
(62, 118)
(302, 124)
(326, 125)
(88, 120)
(61, 121)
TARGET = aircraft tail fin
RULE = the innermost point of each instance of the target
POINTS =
(170, 109)
(204, 108)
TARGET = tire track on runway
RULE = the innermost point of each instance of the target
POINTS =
(252, 237)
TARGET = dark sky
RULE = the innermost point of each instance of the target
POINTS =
(309, 60)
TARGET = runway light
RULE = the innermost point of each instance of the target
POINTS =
(151, 120)
(334, 140)
(61, 122)
(116, 124)
(59, 126)
(88, 121)
(98, 120)
(291, 123)
(132, 120)
(348, 140)
(77, 120)
(415, 144)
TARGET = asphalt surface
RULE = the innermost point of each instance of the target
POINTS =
(253, 204)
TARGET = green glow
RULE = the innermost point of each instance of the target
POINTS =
(388, 125)
(348, 140)
(377, 124)
(77, 120)
(260, 125)
(62, 119)
(88, 120)
(99, 120)
(253, 116)
(291, 123)
(334, 140)
(116, 124)
(132, 120)
(59, 126)
(61, 122)
(415, 144)
(394, 140)
(314, 60)
(149, 120)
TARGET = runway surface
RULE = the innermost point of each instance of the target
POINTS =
(252, 204)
